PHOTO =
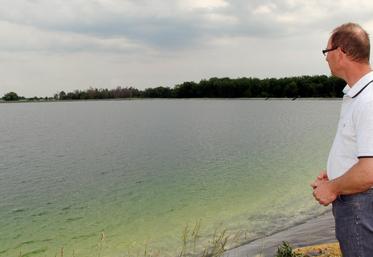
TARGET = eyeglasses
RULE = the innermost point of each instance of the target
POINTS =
(329, 50)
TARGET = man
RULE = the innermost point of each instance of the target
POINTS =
(348, 182)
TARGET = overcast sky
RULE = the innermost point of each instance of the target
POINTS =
(51, 45)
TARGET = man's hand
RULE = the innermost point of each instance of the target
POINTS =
(324, 192)
(321, 177)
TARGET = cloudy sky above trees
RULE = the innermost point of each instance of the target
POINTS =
(51, 45)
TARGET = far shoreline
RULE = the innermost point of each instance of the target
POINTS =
(196, 98)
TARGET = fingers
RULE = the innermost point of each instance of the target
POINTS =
(321, 201)
(319, 189)
(323, 175)
(322, 194)
(315, 183)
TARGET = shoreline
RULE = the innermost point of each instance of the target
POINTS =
(191, 98)
(317, 230)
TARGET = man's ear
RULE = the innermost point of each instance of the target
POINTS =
(342, 56)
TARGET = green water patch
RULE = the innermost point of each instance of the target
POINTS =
(74, 219)
(20, 210)
(4, 251)
(25, 243)
(34, 252)
(71, 207)
(17, 236)
(40, 214)
(84, 236)
(31, 242)
(66, 208)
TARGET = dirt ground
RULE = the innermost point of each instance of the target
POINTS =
(321, 250)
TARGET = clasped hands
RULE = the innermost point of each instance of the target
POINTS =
(322, 189)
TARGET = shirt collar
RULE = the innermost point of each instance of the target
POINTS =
(358, 86)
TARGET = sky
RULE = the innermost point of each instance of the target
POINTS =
(47, 46)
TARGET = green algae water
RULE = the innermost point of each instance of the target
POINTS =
(111, 178)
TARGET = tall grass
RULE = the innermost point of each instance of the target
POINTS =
(215, 247)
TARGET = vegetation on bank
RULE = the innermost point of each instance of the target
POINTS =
(289, 87)
(322, 250)
(193, 246)
(12, 96)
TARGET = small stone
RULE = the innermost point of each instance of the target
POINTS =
(317, 252)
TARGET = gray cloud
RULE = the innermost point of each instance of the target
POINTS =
(164, 24)
(175, 24)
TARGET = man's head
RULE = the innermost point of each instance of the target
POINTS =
(353, 40)
(348, 45)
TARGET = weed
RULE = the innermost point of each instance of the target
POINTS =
(285, 250)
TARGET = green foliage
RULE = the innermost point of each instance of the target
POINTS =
(291, 87)
(285, 250)
(95, 93)
(158, 92)
(11, 96)
(306, 86)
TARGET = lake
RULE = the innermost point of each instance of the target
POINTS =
(112, 178)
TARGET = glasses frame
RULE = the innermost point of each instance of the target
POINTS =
(329, 50)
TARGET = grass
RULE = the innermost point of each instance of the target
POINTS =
(285, 250)
(215, 247)
(192, 247)
(100, 244)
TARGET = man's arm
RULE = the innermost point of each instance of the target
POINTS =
(358, 178)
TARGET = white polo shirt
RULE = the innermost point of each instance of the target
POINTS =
(354, 138)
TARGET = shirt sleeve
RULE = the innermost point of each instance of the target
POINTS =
(364, 130)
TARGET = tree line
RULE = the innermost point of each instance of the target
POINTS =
(289, 87)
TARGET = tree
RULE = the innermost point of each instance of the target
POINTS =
(290, 87)
(11, 96)
(158, 92)
(62, 95)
